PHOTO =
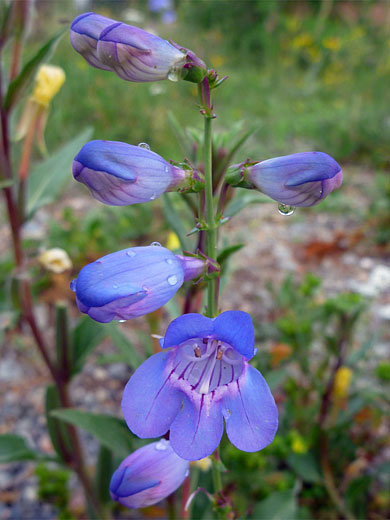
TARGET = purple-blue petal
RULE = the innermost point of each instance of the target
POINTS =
(187, 326)
(301, 179)
(250, 412)
(236, 328)
(197, 430)
(150, 403)
(125, 483)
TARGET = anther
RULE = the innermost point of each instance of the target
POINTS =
(219, 354)
(197, 352)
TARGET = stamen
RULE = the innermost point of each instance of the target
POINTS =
(197, 352)
(219, 354)
(205, 386)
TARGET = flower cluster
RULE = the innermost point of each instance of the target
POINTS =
(202, 378)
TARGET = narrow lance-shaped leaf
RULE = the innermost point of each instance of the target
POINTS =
(48, 178)
(21, 81)
(110, 431)
(14, 448)
(87, 335)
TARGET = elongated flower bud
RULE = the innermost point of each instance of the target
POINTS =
(148, 475)
(84, 34)
(136, 55)
(132, 282)
(300, 179)
(122, 174)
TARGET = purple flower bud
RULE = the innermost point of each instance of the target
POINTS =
(300, 179)
(84, 35)
(148, 475)
(136, 55)
(122, 174)
(132, 282)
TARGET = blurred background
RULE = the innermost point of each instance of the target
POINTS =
(307, 75)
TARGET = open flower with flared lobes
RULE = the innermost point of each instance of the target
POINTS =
(122, 174)
(201, 380)
(300, 179)
(132, 282)
(148, 475)
(84, 34)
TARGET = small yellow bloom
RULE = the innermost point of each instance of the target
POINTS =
(203, 464)
(173, 242)
(302, 40)
(342, 381)
(332, 43)
(55, 260)
(48, 81)
(298, 443)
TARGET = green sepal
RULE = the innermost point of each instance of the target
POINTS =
(194, 74)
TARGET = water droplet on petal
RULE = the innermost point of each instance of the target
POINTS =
(115, 286)
(169, 261)
(187, 473)
(73, 284)
(166, 169)
(174, 74)
(144, 145)
(161, 445)
(130, 253)
(285, 209)
(172, 280)
(121, 321)
(153, 196)
(156, 244)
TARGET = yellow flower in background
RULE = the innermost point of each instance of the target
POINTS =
(342, 381)
(314, 53)
(55, 260)
(203, 464)
(332, 43)
(48, 81)
(301, 41)
(217, 60)
(298, 443)
(173, 242)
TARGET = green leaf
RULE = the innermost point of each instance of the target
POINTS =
(21, 81)
(103, 474)
(280, 505)
(180, 134)
(175, 221)
(14, 448)
(243, 199)
(305, 466)
(47, 179)
(227, 252)
(87, 335)
(6, 183)
(133, 359)
(109, 430)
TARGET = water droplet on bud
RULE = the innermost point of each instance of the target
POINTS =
(172, 280)
(153, 196)
(73, 284)
(174, 75)
(169, 261)
(156, 244)
(130, 253)
(144, 145)
(285, 209)
(161, 445)
(121, 321)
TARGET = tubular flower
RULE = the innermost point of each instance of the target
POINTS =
(136, 55)
(300, 179)
(202, 379)
(132, 282)
(122, 174)
(84, 34)
(148, 475)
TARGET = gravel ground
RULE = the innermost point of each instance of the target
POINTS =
(337, 247)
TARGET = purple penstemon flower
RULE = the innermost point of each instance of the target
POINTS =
(136, 55)
(84, 34)
(300, 179)
(132, 282)
(122, 174)
(202, 379)
(148, 475)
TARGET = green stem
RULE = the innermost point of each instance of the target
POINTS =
(212, 296)
(217, 479)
